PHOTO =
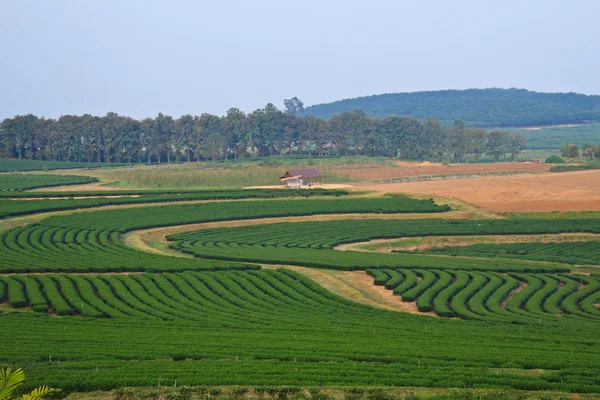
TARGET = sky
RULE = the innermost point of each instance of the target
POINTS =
(142, 57)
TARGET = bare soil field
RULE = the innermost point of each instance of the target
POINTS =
(405, 169)
(544, 192)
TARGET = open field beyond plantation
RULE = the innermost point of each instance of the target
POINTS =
(573, 191)
(404, 169)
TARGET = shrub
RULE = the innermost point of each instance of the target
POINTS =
(554, 160)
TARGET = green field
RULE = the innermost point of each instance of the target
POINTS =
(83, 311)
(310, 243)
(12, 208)
(554, 138)
(568, 252)
(12, 165)
(273, 328)
(85, 242)
(19, 182)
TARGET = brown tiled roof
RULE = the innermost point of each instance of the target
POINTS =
(303, 173)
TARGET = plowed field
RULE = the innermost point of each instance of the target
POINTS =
(571, 191)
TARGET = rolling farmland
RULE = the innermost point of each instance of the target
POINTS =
(82, 310)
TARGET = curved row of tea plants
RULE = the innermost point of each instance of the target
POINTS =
(12, 208)
(91, 241)
(585, 252)
(270, 328)
(510, 298)
(311, 243)
(210, 194)
(21, 182)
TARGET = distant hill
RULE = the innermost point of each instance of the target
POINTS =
(479, 107)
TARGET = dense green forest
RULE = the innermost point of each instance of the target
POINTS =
(480, 107)
(264, 132)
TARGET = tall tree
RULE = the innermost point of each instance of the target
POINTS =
(570, 150)
(497, 144)
(212, 145)
(147, 139)
(432, 138)
(209, 125)
(588, 150)
(184, 127)
(235, 126)
(477, 143)
(516, 143)
(294, 106)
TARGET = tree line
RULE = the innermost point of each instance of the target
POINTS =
(589, 151)
(264, 132)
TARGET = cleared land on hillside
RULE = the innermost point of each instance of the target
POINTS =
(571, 191)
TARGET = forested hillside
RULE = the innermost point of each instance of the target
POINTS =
(480, 107)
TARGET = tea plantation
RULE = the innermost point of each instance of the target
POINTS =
(82, 311)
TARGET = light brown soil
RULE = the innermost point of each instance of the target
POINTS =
(568, 191)
(405, 169)
(417, 164)
(356, 286)
(522, 285)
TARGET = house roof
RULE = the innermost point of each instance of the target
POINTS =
(302, 173)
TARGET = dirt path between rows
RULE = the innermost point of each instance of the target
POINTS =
(154, 240)
(429, 242)
(356, 286)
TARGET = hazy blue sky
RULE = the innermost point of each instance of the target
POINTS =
(139, 58)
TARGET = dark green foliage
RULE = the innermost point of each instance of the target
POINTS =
(11, 208)
(169, 326)
(215, 194)
(580, 167)
(585, 252)
(485, 296)
(570, 150)
(21, 182)
(481, 107)
(554, 160)
(92, 242)
(310, 243)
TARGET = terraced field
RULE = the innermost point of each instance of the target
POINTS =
(270, 327)
(492, 296)
(584, 252)
(80, 310)
(87, 242)
(311, 243)
(38, 202)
